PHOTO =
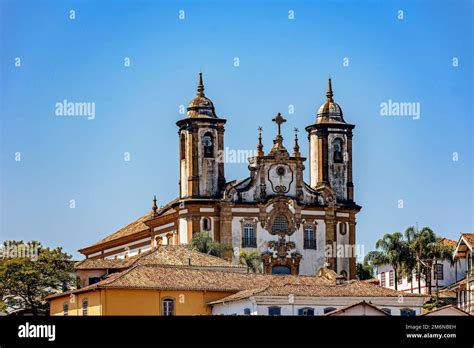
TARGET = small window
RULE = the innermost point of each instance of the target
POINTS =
(438, 274)
(85, 304)
(337, 151)
(274, 311)
(248, 237)
(279, 224)
(391, 278)
(94, 280)
(168, 307)
(306, 312)
(382, 279)
(182, 147)
(407, 312)
(246, 311)
(342, 228)
(309, 237)
(206, 224)
(387, 310)
(208, 145)
(65, 309)
(329, 309)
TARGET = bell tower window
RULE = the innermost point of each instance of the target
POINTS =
(182, 147)
(208, 145)
(337, 151)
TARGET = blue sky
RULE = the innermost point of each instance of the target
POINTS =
(282, 62)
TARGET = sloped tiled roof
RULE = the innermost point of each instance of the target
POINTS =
(461, 312)
(363, 303)
(469, 237)
(178, 255)
(351, 288)
(448, 242)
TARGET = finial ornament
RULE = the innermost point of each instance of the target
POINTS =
(200, 87)
(329, 93)
(279, 120)
(296, 148)
(154, 207)
(260, 145)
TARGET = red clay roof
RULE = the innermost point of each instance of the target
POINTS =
(178, 255)
(363, 303)
(469, 237)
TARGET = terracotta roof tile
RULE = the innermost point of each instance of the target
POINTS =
(178, 255)
(362, 303)
(352, 288)
(469, 237)
(449, 242)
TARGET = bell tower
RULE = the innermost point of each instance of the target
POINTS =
(330, 150)
(201, 148)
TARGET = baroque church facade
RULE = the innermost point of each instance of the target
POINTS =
(296, 227)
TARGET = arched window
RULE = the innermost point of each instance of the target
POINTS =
(248, 237)
(206, 224)
(342, 228)
(65, 309)
(329, 309)
(208, 144)
(337, 151)
(309, 237)
(279, 224)
(182, 147)
(85, 304)
(168, 307)
(306, 312)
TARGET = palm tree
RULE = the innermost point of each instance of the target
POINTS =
(437, 251)
(252, 260)
(418, 241)
(392, 250)
(204, 243)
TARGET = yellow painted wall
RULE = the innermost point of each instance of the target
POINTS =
(138, 302)
(75, 305)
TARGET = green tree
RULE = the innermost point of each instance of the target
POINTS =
(252, 260)
(26, 279)
(203, 243)
(364, 271)
(392, 250)
(437, 251)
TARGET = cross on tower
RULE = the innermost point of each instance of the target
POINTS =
(279, 120)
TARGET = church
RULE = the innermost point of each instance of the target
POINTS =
(295, 226)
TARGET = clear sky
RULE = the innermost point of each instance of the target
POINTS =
(282, 62)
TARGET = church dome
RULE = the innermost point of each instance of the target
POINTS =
(329, 111)
(201, 106)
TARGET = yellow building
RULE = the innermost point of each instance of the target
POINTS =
(149, 287)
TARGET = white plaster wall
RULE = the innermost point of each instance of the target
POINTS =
(317, 303)
(450, 276)
(312, 260)
(313, 154)
(342, 240)
(183, 231)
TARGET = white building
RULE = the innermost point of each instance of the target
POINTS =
(464, 288)
(313, 300)
(443, 274)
